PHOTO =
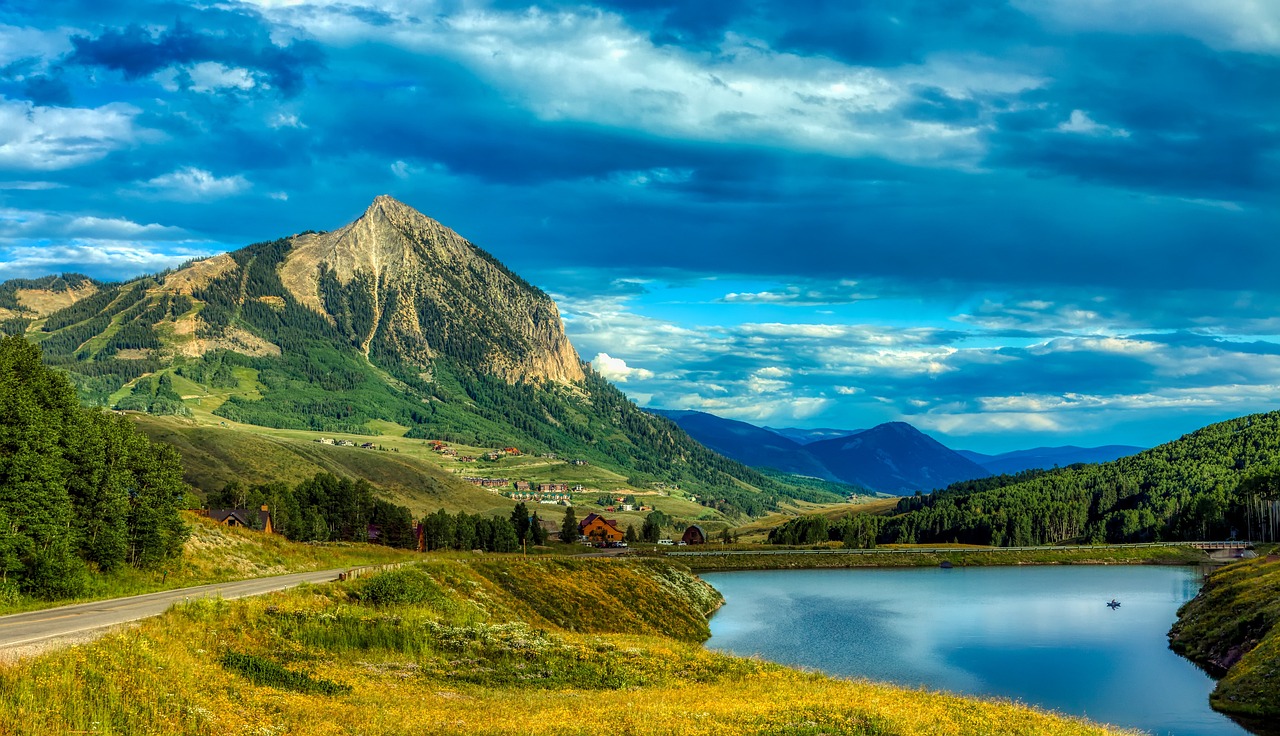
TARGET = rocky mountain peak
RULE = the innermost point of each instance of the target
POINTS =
(397, 279)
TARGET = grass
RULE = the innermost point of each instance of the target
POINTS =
(476, 653)
(217, 554)
(1230, 630)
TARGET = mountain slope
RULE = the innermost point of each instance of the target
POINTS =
(1048, 457)
(895, 458)
(391, 319)
(747, 443)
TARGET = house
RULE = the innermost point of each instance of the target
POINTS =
(522, 485)
(552, 528)
(466, 459)
(487, 482)
(494, 455)
(553, 487)
(599, 529)
(368, 446)
(326, 441)
(694, 535)
(645, 508)
(345, 443)
(578, 462)
(579, 488)
(243, 518)
(511, 451)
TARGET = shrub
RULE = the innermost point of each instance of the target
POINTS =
(261, 671)
(398, 587)
(9, 593)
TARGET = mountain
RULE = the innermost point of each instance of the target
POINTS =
(894, 458)
(1008, 463)
(393, 323)
(807, 436)
(747, 443)
(890, 458)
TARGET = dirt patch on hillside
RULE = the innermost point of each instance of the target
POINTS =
(198, 275)
(45, 303)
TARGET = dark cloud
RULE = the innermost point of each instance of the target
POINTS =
(137, 52)
(44, 90)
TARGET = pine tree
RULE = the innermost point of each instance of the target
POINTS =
(520, 521)
(569, 527)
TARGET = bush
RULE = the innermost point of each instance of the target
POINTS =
(9, 593)
(261, 671)
(398, 587)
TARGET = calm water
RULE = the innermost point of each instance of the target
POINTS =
(1041, 635)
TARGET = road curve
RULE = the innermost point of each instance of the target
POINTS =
(85, 619)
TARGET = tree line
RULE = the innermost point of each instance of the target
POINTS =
(323, 508)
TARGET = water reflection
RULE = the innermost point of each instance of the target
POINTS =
(1042, 635)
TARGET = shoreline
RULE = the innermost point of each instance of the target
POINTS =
(734, 560)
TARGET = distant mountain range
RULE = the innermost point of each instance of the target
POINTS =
(889, 458)
(1049, 457)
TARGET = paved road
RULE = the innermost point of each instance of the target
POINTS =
(86, 619)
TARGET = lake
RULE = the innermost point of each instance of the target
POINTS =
(1040, 635)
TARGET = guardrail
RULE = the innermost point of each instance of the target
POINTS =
(974, 550)
(359, 572)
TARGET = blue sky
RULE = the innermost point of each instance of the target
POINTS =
(1008, 222)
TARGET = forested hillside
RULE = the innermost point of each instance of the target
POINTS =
(78, 487)
(1221, 480)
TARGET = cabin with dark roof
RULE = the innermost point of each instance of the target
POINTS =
(243, 518)
(694, 534)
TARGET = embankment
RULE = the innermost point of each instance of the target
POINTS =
(708, 560)
(1230, 629)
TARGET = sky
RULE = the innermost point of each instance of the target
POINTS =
(1011, 223)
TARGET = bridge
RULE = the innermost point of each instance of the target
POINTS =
(1223, 550)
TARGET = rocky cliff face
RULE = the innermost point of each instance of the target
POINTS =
(399, 282)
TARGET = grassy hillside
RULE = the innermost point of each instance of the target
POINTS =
(466, 646)
(1231, 630)
(405, 470)
(217, 554)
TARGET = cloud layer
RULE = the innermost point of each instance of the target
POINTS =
(915, 210)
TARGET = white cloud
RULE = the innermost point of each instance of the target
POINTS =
(190, 184)
(616, 369)
(592, 66)
(848, 390)
(207, 76)
(51, 138)
(32, 225)
(1240, 25)
(286, 120)
(115, 258)
(1081, 123)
